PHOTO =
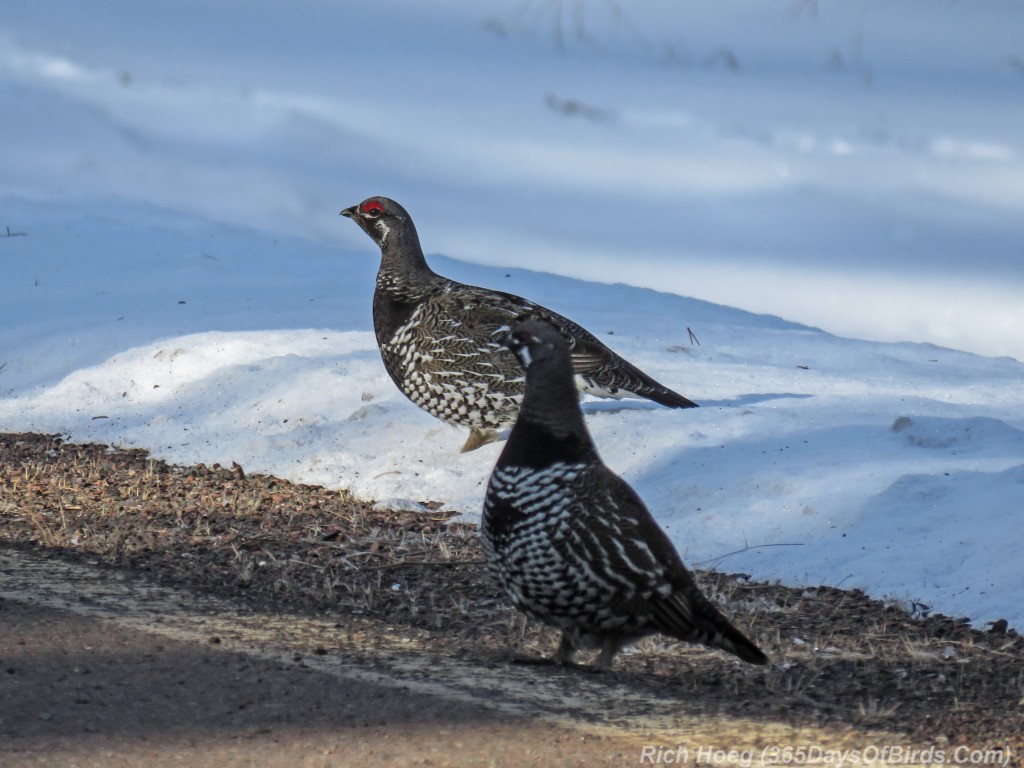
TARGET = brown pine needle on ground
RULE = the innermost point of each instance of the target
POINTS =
(837, 656)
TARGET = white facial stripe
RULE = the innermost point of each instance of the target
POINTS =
(524, 355)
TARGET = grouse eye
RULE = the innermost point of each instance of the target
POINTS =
(373, 209)
(524, 337)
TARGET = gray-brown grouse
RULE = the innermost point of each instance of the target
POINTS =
(436, 337)
(570, 542)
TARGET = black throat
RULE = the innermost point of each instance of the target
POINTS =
(550, 427)
(536, 446)
(404, 280)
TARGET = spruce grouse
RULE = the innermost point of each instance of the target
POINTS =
(436, 337)
(570, 542)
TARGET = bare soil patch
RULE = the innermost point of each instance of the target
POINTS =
(83, 693)
(839, 659)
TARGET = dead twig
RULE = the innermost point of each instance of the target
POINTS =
(747, 548)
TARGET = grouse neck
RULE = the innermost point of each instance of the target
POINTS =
(402, 255)
(550, 426)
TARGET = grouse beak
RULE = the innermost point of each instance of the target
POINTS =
(350, 212)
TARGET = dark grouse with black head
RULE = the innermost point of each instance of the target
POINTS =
(570, 542)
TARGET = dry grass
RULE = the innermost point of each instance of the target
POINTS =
(838, 657)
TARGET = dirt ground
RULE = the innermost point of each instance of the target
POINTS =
(154, 615)
(80, 692)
